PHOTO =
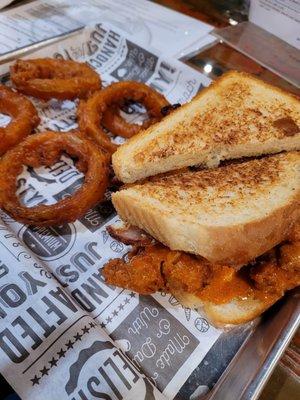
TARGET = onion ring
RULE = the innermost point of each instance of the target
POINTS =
(24, 118)
(90, 113)
(45, 149)
(117, 125)
(47, 78)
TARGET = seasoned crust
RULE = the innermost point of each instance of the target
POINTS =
(218, 189)
(238, 115)
(229, 215)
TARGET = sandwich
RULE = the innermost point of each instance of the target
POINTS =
(224, 238)
(236, 116)
(231, 214)
(225, 296)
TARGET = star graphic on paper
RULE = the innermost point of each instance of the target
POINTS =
(103, 325)
(53, 362)
(115, 313)
(108, 319)
(132, 294)
(69, 344)
(61, 353)
(77, 336)
(35, 380)
(126, 301)
(85, 329)
(92, 324)
(44, 371)
(121, 307)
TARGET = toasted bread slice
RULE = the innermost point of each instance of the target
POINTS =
(236, 116)
(237, 311)
(230, 214)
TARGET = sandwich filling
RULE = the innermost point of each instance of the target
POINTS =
(150, 267)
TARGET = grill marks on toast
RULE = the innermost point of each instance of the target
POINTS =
(230, 186)
(236, 116)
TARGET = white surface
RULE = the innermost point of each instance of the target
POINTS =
(152, 25)
(279, 17)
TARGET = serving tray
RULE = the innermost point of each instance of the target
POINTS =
(241, 360)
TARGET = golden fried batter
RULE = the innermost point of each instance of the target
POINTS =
(155, 267)
(141, 274)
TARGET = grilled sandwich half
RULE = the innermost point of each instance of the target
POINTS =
(230, 214)
(236, 116)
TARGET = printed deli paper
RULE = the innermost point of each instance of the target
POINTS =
(142, 19)
(64, 333)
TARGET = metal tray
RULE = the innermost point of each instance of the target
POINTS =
(249, 354)
(250, 369)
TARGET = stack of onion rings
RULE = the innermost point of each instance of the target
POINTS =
(50, 78)
(24, 118)
(46, 149)
(47, 78)
(91, 112)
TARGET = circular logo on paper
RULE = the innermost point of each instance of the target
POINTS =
(117, 247)
(201, 324)
(49, 243)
